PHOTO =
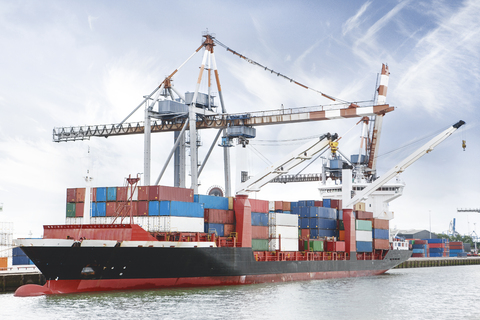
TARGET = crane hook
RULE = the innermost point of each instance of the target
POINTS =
(464, 144)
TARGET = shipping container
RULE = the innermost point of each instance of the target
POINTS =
(142, 208)
(142, 193)
(260, 244)
(380, 234)
(278, 206)
(380, 224)
(219, 216)
(381, 244)
(228, 228)
(363, 235)
(286, 206)
(322, 223)
(154, 208)
(341, 235)
(363, 215)
(314, 245)
(259, 219)
(71, 194)
(363, 225)
(285, 232)
(327, 203)
(259, 232)
(101, 194)
(4, 262)
(216, 228)
(336, 204)
(364, 246)
(271, 206)
(305, 223)
(211, 202)
(230, 203)
(101, 209)
(360, 206)
(306, 203)
(286, 244)
(336, 246)
(161, 193)
(112, 194)
(305, 233)
(80, 195)
(282, 219)
(182, 224)
(258, 205)
(79, 207)
(122, 194)
(320, 233)
(70, 210)
(181, 209)
(293, 205)
(318, 203)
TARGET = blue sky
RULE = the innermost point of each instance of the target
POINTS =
(90, 62)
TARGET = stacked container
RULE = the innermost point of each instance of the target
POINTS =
(456, 249)
(363, 235)
(380, 233)
(420, 249)
(283, 226)
(320, 221)
(438, 247)
(259, 216)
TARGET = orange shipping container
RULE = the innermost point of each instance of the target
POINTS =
(278, 205)
(3, 263)
(228, 229)
(381, 244)
(341, 235)
(380, 224)
(286, 206)
(80, 195)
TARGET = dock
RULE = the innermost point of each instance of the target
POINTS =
(438, 262)
(13, 277)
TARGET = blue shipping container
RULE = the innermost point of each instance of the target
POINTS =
(340, 214)
(18, 252)
(293, 205)
(211, 202)
(111, 194)
(318, 233)
(101, 209)
(455, 251)
(306, 203)
(296, 210)
(328, 213)
(436, 254)
(259, 219)
(380, 234)
(418, 250)
(154, 208)
(364, 246)
(436, 250)
(321, 223)
(214, 228)
(20, 260)
(101, 194)
(420, 246)
(436, 240)
(305, 223)
(181, 209)
(326, 203)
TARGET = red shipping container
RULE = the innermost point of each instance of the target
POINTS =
(259, 232)
(305, 233)
(219, 216)
(436, 245)
(336, 246)
(456, 243)
(318, 203)
(259, 205)
(79, 206)
(71, 194)
(383, 244)
(228, 229)
(142, 208)
(421, 241)
(143, 193)
(122, 194)
(278, 206)
(380, 224)
(130, 205)
(363, 215)
(336, 204)
(286, 206)
(418, 255)
(80, 195)
(159, 193)
(110, 208)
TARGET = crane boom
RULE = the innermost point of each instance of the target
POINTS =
(63, 134)
(400, 167)
(305, 152)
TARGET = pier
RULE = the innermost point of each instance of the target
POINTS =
(438, 262)
(17, 276)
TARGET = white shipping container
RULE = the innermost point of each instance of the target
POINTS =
(283, 219)
(271, 205)
(362, 235)
(182, 224)
(287, 244)
(285, 232)
(74, 220)
(155, 224)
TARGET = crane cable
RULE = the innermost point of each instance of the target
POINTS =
(277, 73)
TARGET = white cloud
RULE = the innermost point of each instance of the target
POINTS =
(354, 21)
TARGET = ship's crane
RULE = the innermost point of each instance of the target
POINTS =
(196, 112)
(349, 202)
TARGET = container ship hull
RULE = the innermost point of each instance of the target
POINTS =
(82, 269)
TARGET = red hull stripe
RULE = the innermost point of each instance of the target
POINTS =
(72, 286)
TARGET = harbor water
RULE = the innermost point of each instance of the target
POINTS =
(416, 293)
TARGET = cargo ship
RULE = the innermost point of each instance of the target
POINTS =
(152, 236)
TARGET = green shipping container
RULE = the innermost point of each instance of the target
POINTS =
(260, 244)
(341, 225)
(315, 245)
(363, 225)
(70, 210)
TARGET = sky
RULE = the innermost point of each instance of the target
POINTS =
(71, 63)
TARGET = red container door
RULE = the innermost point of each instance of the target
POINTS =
(80, 195)
(142, 208)
(111, 207)
(71, 195)
(122, 194)
(154, 193)
(79, 206)
(143, 193)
